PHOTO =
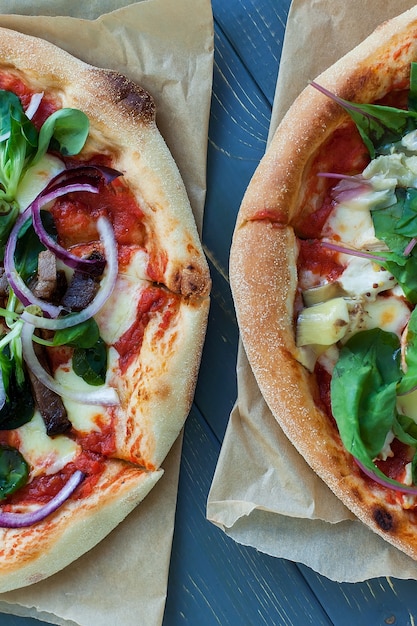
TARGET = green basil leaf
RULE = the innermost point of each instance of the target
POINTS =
(14, 471)
(409, 379)
(363, 391)
(66, 130)
(91, 363)
(84, 335)
(412, 95)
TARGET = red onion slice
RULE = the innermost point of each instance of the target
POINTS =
(103, 395)
(21, 520)
(71, 260)
(18, 285)
(351, 251)
(107, 283)
(386, 482)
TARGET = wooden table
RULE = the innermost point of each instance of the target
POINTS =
(213, 581)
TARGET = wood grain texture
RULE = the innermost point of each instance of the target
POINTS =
(213, 577)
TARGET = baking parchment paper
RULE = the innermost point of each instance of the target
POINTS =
(263, 493)
(166, 47)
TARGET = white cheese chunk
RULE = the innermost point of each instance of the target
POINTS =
(352, 222)
(362, 277)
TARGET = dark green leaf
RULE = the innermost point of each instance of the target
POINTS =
(412, 96)
(363, 391)
(29, 246)
(91, 363)
(14, 471)
(19, 406)
(84, 335)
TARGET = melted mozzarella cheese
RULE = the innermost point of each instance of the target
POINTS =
(361, 277)
(36, 178)
(138, 264)
(85, 418)
(119, 312)
(353, 224)
(44, 454)
(390, 314)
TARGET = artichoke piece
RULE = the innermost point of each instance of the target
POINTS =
(323, 324)
(322, 293)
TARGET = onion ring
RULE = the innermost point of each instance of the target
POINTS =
(21, 520)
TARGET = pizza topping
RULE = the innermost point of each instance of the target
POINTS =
(13, 471)
(379, 126)
(101, 396)
(19, 520)
(49, 403)
(369, 307)
(21, 145)
(323, 323)
(105, 289)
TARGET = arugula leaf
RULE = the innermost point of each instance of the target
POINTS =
(363, 390)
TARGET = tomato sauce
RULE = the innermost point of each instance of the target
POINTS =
(101, 441)
(47, 106)
(75, 215)
(313, 256)
(152, 301)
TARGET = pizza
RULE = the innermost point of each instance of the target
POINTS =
(104, 297)
(323, 275)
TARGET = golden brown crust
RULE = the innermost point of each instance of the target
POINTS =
(264, 290)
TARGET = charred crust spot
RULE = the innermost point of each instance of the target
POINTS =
(383, 519)
(135, 100)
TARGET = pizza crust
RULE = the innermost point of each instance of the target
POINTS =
(31, 554)
(264, 291)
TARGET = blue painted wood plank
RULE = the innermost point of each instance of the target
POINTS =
(215, 581)
(375, 602)
(255, 29)
(238, 129)
(216, 386)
